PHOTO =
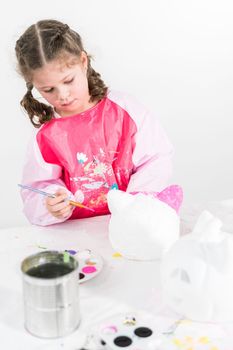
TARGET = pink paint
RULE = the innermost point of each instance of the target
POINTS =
(172, 195)
(110, 330)
(89, 269)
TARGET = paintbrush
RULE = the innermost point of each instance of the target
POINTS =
(76, 204)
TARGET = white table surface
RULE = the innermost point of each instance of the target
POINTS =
(121, 286)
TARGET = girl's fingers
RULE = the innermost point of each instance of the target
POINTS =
(59, 206)
(64, 212)
(58, 199)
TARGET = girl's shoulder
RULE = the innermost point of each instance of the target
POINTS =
(123, 97)
(129, 103)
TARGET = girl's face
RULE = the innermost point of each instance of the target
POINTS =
(64, 86)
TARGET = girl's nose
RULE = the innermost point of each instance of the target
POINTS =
(63, 94)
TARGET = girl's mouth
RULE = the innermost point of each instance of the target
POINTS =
(67, 104)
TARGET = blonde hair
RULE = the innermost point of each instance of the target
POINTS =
(44, 42)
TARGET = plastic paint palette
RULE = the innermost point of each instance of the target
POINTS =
(90, 264)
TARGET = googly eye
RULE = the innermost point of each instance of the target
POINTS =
(122, 341)
(143, 332)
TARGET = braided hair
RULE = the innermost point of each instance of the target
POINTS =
(44, 42)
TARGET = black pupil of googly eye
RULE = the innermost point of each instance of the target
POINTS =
(122, 341)
(102, 342)
(81, 276)
(143, 332)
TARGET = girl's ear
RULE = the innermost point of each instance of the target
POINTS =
(84, 60)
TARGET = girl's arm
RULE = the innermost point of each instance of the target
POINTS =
(152, 157)
(153, 164)
(152, 154)
(39, 174)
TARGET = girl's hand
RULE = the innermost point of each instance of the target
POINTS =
(59, 206)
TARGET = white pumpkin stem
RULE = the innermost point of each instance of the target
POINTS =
(208, 228)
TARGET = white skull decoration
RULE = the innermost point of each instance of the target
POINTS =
(197, 272)
(141, 227)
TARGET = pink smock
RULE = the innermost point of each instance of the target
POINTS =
(117, 144)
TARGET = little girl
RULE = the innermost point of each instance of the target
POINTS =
(90, 139)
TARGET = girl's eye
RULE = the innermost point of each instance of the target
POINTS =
(65, 82)
(69, 81)
(48, 91)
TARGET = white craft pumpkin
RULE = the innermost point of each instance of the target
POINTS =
(197, 272)
(141, 227)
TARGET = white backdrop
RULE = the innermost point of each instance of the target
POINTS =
(174, 56)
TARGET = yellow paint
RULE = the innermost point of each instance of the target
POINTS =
(184, 321)
(177, 342)
(204, 340)
(116, 255)
(189, 339)
(214, 348)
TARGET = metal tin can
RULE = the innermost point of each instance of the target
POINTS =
(51, 294)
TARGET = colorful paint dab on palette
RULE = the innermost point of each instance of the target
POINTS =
(90, 263)
(71, 251)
